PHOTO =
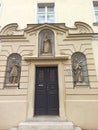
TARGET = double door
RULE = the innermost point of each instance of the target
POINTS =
(46, 91)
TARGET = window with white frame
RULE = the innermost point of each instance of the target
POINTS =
(0, 7)
(45, 13)
(95, 4)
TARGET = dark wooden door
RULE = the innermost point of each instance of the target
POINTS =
(46, 91)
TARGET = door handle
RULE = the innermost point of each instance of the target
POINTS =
(40, 85)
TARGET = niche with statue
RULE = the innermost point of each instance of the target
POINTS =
(46, 43)
(13, 71)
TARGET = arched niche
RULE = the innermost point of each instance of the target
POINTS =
(46, 43)
(13, 70)
(79, 69)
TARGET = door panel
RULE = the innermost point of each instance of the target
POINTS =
(46, 91)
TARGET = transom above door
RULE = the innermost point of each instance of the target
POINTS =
(46, 91)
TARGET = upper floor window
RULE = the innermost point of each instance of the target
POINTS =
(0, 6)
(45, 13)
(95, 4)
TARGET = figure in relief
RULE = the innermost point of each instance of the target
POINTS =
(77, 68)
(14, 72)
(46, 45)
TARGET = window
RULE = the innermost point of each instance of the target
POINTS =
(45, 13)
(79, 69)
(0, 7)
(96, 10)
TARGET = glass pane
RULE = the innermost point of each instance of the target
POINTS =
(41, 9)
(96, 15)
(50, 9)
(50, 18)
(41, 19)
(96, 7)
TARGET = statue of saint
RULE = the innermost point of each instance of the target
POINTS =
(14, 72)
(46, 45)
(78, 78)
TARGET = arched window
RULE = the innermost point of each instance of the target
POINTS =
(46, 42)
(13, 70)
(79, 69)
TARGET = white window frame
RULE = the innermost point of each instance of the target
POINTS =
(1, 4)
(95, 3)
(46, 13)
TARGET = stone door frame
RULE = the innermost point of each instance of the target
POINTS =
(31, 85)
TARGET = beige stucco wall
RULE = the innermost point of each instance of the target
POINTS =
(12, 107)
(25, 12)
(80, 104)
(77, 104)
(95, 50)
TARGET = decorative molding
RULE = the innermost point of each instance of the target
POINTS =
(60, 28)
(29, 58)
(59, 33)
(11, 86)
(81, 27)
(11, 29)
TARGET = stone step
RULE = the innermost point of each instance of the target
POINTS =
(46, 126)
(76, 128)
(47, 119)
(14, 128)
(47, 123)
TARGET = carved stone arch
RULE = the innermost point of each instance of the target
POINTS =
(79, 69)
(46, 42)
(9, 29)
(13, 62)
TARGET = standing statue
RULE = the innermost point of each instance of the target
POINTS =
(46, 45)
(77, 68)
(14, 72)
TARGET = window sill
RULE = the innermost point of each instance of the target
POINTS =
(95, 23)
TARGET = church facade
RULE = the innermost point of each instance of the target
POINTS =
(49, 69)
